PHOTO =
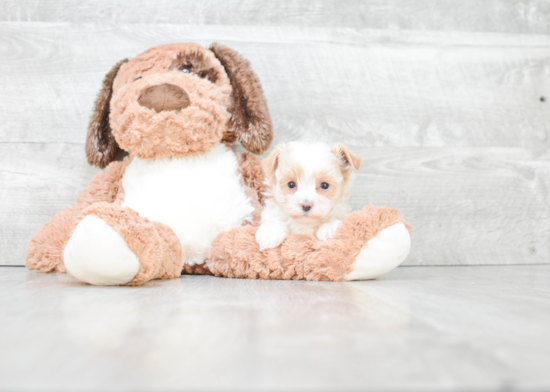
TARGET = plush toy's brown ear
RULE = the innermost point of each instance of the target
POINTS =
(250, 119)
(101, 146)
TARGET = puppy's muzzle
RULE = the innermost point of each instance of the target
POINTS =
(164, 97)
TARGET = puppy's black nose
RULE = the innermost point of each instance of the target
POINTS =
(306, 207)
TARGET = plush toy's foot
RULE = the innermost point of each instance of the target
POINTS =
(114, 246)
(97, 254)
(389, 248)
(45, 250)
(368, 244)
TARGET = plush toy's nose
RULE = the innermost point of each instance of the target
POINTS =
(164, 97)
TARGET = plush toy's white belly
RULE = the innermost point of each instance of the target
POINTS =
(198, 196)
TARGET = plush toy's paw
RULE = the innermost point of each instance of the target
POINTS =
(98, 255)
(270, 236)
(382, 253)
(327, 230)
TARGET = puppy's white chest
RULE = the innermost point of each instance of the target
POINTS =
(198, 196)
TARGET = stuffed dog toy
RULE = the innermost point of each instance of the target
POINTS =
(182, 201)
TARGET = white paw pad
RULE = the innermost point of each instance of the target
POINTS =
(384, 252)
(98, 255)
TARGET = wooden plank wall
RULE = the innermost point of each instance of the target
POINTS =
(447, 102)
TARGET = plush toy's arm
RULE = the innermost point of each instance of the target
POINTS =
(45, 250)
(252, 174)
(105, 185)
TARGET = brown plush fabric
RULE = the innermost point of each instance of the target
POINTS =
(235, 254)
(250, 168)
(252, 178)
(250, 119)
(151, 109)
(105, 185)
(148, 133)
(101, 147)
(45, 250)
(229, 137)
(164, 97)
(172, 261)
(197, 269)
(197, 63)
(159, 252)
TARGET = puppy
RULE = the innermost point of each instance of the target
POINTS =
(307, 186)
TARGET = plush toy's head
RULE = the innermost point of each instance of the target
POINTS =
(178, 100)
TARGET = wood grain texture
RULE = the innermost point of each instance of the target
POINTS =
(36, 181)
(468, 206)
(441, 99)
(505, 16)
(357, 87)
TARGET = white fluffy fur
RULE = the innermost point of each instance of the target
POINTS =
(197, 196)
(283, 214)
(97, 254)
(382, 253)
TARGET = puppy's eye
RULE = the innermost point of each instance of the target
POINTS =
(324, 185)
(185, 70)
(138, 78)
(292, 184)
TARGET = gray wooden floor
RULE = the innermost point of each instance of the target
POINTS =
(447, 102)
(417, 328)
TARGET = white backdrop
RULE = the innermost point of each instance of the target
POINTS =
(447, 102)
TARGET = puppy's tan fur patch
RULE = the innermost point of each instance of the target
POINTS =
(335, 188)
(294, 174)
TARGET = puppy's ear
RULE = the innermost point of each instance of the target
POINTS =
(250, 119)
(346, 157)
(270, 163)
(101, 147)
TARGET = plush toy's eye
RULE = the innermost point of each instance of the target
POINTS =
(185, 70)
(292, 184)
(324, 185)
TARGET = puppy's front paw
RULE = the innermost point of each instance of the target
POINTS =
(327, 230)
(270, 236)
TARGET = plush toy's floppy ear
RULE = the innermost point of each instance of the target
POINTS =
(346, 157)
(101, 146)
(250, 119)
